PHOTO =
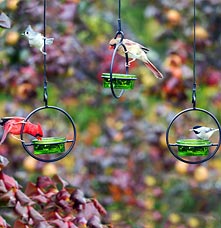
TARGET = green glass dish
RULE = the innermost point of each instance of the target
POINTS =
(50, 145)
(119, 81)
(193, 147)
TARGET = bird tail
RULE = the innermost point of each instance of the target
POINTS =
(154, 70)
(49, 41)
(3, 121)
(5, 133)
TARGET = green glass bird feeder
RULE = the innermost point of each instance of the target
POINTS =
(119, 81)
(193, 147)
(49, 145)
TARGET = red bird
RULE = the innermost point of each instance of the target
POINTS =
(14, 124)
(135, 51)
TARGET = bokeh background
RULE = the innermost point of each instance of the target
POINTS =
(120, 156)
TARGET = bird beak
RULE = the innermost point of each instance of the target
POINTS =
(111, 47)
(38, 137)
(22, 34)
(190, 129)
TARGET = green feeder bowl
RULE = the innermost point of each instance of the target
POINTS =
(193, 147)
(50, 145)
(119, 81)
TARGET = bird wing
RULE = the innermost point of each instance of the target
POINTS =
(5, 119)
(132, 43)
(208, 129)
(135, 48)
(144, 49)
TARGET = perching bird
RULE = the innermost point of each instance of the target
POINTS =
(203, 132)
(36, 39)
(13, 125)
(135, 51)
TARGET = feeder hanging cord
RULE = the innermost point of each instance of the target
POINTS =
(119, 16)
(194, 55)
(45, 69)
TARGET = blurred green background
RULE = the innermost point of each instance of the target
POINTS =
(120, 156)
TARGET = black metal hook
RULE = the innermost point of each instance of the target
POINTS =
(194, 96)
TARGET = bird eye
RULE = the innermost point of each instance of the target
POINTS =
(27, 33)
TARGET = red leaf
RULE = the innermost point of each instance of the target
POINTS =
(9, 182)
(59, 223)
(58, 180)
(40, 199)
(99, 207)
(2, 187)
(62, 195)
(78, 197)
(45, 183)
(89, 210)
(35, 215)
(3, 223)
(22, 211)
(43, 225)
(22, 198)
(94, 222)
(31, 189)
(8, 199)
(19, 224)
(71, 225)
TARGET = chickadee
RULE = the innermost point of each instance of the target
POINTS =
(36, 39)
(203, 132)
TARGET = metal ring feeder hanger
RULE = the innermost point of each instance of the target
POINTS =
(114, 80)
(49, 149)
(192, 150)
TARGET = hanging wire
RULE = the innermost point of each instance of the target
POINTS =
(194, 55)
(45, 65)
(119, 16)
(119, 30)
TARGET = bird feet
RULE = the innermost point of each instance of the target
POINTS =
(17, 138)
(128, 65)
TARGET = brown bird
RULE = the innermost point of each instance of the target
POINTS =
(135, 51)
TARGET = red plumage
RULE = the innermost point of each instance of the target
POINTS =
(13, 125)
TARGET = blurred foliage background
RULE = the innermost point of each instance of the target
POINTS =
(121, 156)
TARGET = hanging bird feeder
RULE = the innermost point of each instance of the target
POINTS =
(193, 147)
(119, 81)
(53, 147)
(116, 80)
(191, 144)
(185, 144)
(49, 145)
